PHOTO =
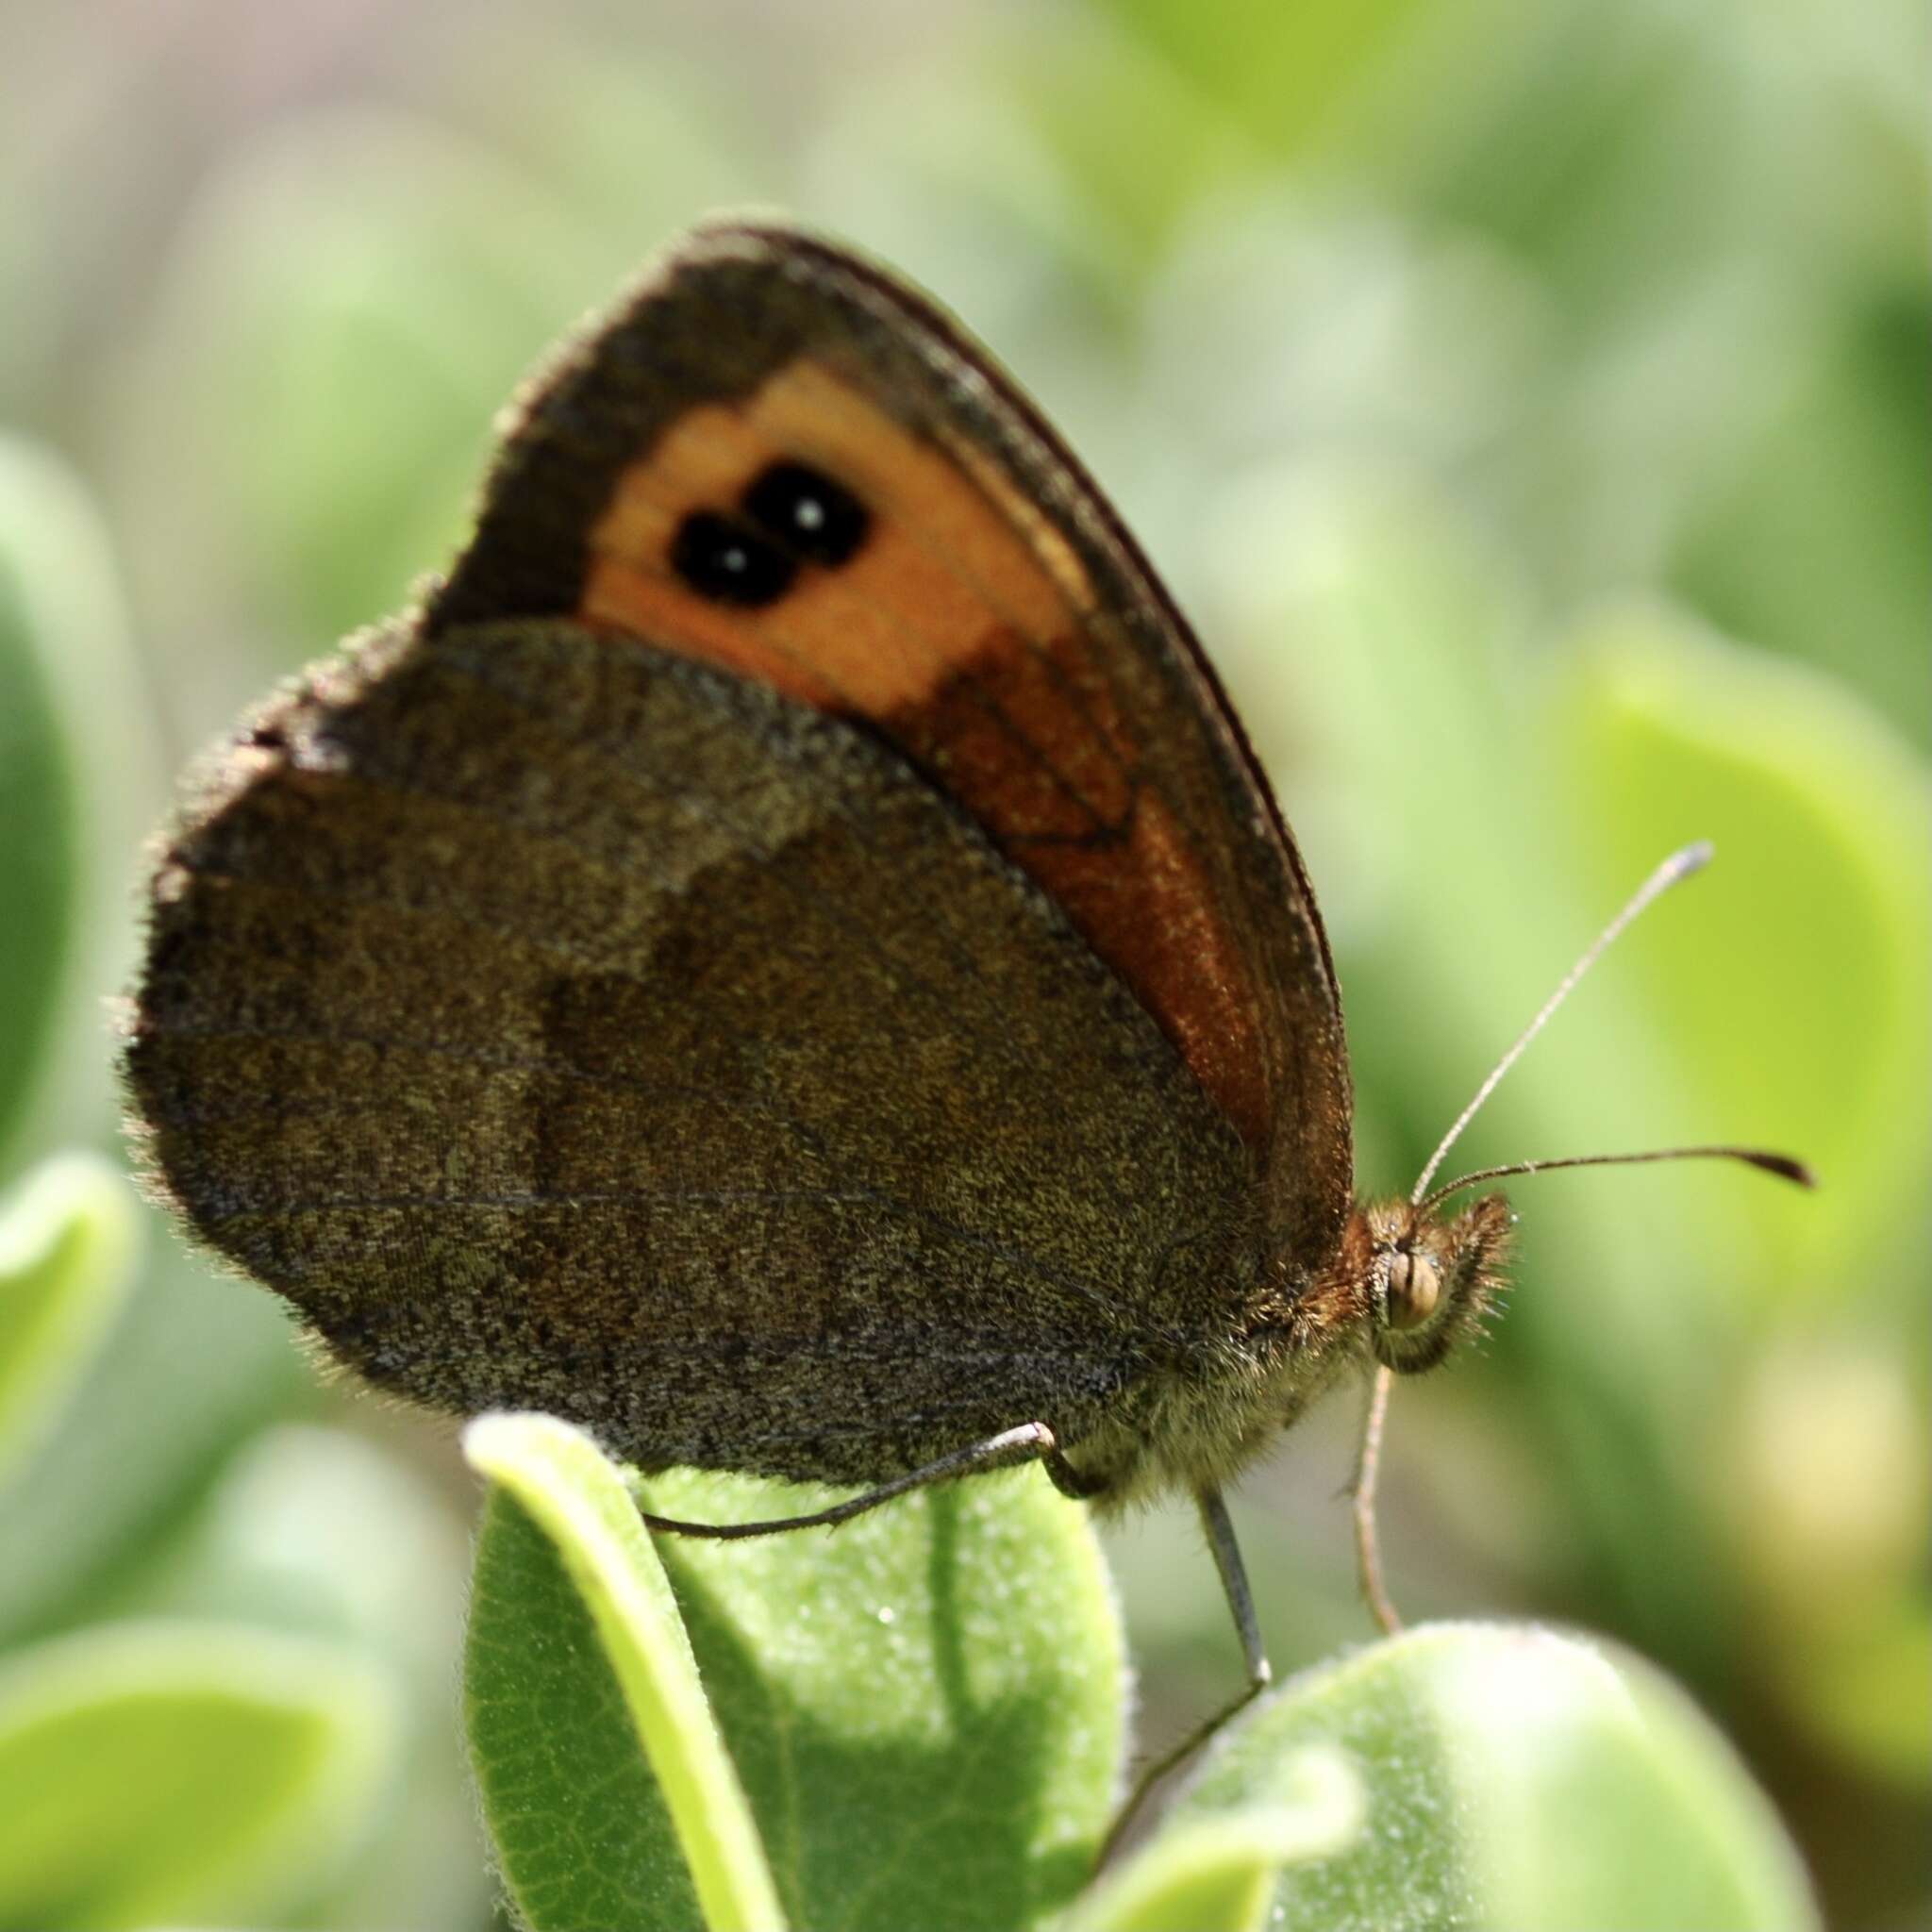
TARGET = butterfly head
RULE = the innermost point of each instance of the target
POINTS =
(1432, 1277)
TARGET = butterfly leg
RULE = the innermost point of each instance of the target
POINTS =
(1367, 1550)
(1069, 1481)
(1031, 1442)
(1240, 1601)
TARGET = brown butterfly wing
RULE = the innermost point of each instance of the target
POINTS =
(802, 1037)
(557, 1020)
(999, 626)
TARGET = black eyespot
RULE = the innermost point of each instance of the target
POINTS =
(808, 513)
(728, 561)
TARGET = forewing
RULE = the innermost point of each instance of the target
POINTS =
(997, 626)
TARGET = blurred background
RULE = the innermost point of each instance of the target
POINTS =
(1525, 398)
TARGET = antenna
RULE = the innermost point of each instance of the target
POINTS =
(1677, 867)
(1780, 1164)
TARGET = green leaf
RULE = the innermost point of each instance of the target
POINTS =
(924, 1709)
(79, 786)
(67, 1252)
(39, 810)
(338, 1534)
(1220, 1870)
(1795, 980)
(1814, 542)
(1795, 984)
(577, 1501)
(925, 1705)
(195, 1363)
(1514, 1777)
(155, 1771)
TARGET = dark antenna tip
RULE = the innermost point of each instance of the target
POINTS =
(1783, 1165)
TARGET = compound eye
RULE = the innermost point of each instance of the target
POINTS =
(1415, 1286)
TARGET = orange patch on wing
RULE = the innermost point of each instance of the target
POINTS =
(964, 627)
(938, 574)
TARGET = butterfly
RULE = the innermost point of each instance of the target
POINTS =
(784, 955)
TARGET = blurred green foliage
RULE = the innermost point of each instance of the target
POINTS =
(66, 1265)
(36, 823)
(150, 1771)
(1526, 401)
